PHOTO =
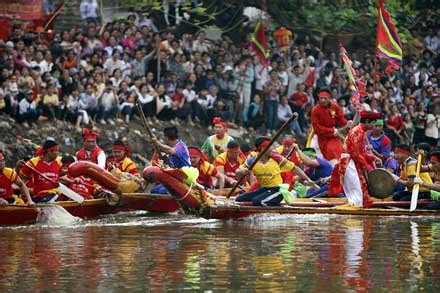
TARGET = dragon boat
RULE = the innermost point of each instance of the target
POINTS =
(201, 203)
(24, 215)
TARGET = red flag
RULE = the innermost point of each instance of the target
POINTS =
(259, 44)
(388, 42)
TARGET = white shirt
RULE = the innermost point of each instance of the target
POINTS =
(24, 106)
(189, 95)
(432, 126)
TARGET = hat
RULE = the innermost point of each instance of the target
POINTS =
(119, 145)
(195, 151)
(218, 120)
(379, 122)
(369, 115)
(89, 134)
(311, 152)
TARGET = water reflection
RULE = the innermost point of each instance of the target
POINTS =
(277, 254)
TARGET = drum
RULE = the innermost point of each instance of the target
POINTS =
(380, 183)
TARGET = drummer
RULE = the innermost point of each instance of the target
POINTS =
(407, 166)
(8, 177)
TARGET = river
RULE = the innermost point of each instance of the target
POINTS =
(140, 252)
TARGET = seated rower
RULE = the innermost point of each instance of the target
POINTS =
(48, 164)
(288, 151)
(407, 166)
(121, 158)
(81, 185)
(228, 163)
(177, 151)
(318, 169)
(8, 177)
(432, 167)
(268, 173)
(207, 171)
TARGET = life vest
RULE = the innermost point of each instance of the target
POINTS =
(83, 155)
(7, 177)
(229, 167)
(43, 187)
(84, 187)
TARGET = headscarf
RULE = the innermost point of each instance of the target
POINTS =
(218, 120)
(89, 134)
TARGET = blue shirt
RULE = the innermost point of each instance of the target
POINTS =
(324, 170)
(382, 144)
(181, 159)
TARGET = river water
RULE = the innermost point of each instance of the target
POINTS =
(140, 252)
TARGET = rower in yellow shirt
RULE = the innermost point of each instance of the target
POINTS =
(268, 173)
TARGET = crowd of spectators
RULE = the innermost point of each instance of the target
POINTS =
(96, 74)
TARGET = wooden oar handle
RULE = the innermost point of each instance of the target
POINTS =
(274, 138)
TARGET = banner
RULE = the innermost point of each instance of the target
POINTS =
(21, 9)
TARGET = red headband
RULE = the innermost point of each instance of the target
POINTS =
(218, 120)
(434, 159)
(196, 152)
(288, 141)
(401, 150)
(2, 157)
(263, 145)
(324, 94)
(369, 115)
(126, 149)
(89, 134)
(233, 149)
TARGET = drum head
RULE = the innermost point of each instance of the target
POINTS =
(380, 183)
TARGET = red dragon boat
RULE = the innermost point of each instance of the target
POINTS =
(197, 202)
(24, 215)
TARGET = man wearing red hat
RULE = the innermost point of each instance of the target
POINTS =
(349, 174)
(228, 163)
(48, 164)
(326, 116)
(217, 143)
(90, 151)
(121, 158)
(286, 148)
(207, 171)
(8, 177)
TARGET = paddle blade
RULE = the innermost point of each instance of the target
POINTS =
(414, 197)
(70, 193)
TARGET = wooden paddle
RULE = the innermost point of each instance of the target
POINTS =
(274, 138)
(416, 187)
(62, 188)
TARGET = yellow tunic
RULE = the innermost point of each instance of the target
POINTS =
(269, 174)
(408, 169)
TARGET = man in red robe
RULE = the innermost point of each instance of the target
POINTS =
(326, 117)
(349, 174)
(91, 151)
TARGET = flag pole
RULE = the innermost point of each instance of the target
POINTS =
(379, 5)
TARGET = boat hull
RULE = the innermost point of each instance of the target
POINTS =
(154, 203)
(236, 212)
(23, 215)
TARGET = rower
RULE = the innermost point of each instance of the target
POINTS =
(8, 177)
(407, 166)
(217, 143)
(175, 148)
(48, 164)
(81, 185)
(91, 151)
(317, 168)
(121, 158)
(289, 152)
(228, 163)
(379, 141)
(432, 167)
(268, 173)
(207, 171)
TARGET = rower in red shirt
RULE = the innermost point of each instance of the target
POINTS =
(228, 163)
(48, 164)
(121, 158)
(8, 177)
(284, 150)
(207, 171)
(326, 117)
(90, 151)
(81, 185)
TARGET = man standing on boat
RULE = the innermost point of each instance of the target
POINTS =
(121, 158)
(379, 141)
(228, 163)
(8, 177)
(207, 171)
(326, 116)
(176, 150)
(349, 174)
(91, 151)
(217, 143)
(48, 164)
(407, 165)
(268, 173)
